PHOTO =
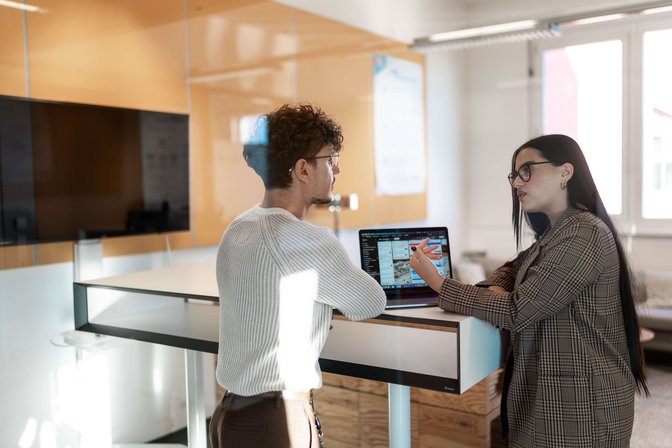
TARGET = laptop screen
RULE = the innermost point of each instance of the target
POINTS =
(385, 255)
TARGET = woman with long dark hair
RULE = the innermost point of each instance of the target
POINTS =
(567, 300)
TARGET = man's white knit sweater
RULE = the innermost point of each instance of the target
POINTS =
(279, 279)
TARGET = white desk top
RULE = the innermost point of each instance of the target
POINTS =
(436, 358)
(429, 313)
(200, 281)
(187, 281)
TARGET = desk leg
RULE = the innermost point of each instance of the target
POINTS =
(399, 415)
(196, 431)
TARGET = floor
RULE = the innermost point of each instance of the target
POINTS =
(652, 428)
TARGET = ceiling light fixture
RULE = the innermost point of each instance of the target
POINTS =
(592, 20)
(21, 6)
(483, 31)
(487, 35)
(526, 30)
(657, 10)
(614, 14)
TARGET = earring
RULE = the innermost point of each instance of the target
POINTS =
(563, 185)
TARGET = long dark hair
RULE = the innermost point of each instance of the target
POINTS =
(582, 194)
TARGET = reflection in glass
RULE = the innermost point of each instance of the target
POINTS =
(74, 171)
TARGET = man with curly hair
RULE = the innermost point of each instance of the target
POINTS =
(279, 280)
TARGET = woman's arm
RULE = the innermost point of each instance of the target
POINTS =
(570, 262)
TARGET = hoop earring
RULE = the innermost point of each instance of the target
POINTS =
(563, 185)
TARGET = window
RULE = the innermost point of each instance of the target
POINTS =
(609, 88)
(657, 125)
(582, 98)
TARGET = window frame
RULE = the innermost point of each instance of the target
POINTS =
(630, 32)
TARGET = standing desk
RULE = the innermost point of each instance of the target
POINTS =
(179, 306)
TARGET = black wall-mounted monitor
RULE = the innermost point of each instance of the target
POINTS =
(75, 171)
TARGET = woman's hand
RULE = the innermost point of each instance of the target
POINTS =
(421, 263)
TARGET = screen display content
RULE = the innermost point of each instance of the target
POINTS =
(385, 255)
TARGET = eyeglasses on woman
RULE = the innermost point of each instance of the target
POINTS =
(524, 172)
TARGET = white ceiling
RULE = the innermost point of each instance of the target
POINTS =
(405, 20)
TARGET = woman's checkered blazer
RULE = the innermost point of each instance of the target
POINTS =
(571, 384)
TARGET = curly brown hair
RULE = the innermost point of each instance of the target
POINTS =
(290, 133)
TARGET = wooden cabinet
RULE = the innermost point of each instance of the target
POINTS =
(354, 413)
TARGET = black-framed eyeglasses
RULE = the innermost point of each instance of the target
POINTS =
(524, 172)
(334, 159)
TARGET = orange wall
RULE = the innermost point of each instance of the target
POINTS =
(257, 55)
(123, 53)
(12, 53)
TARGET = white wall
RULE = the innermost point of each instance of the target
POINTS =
(73, 388)
(497, 124)
(652, 253)
(446, 122)
(478, 114)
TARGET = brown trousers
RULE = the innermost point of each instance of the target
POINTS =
(266, 420)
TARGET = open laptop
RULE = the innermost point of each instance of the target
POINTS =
(385, 256)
